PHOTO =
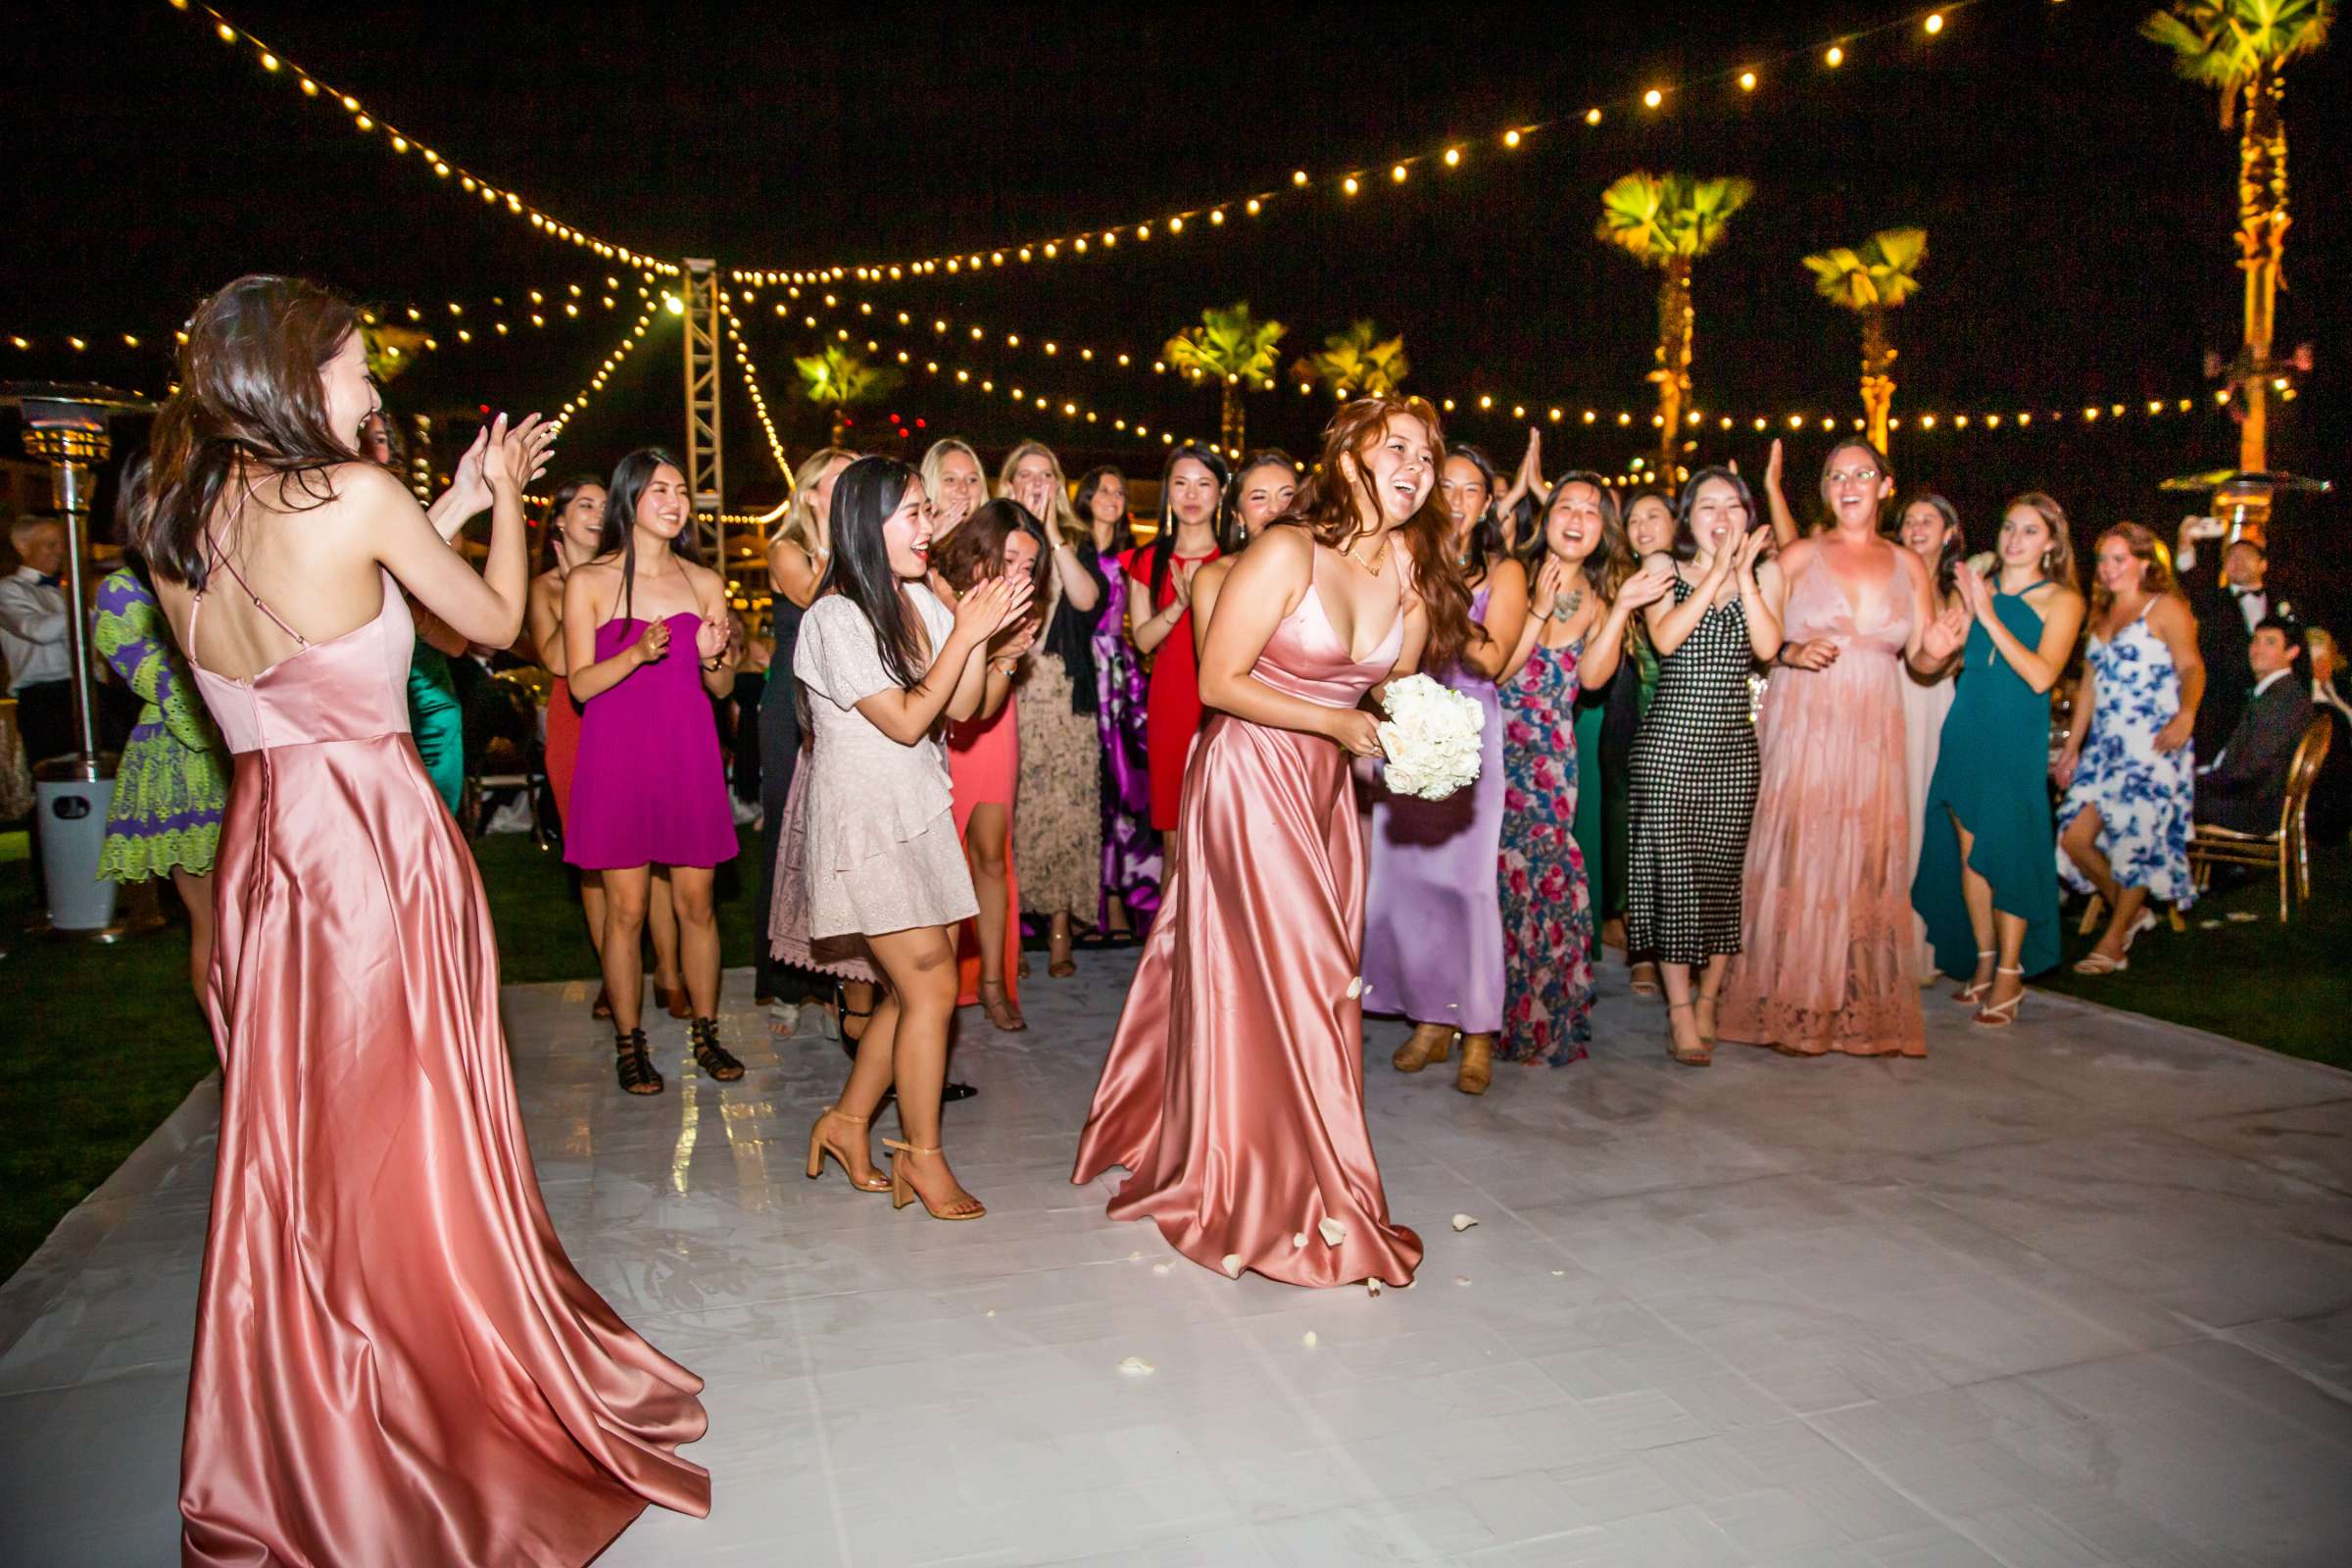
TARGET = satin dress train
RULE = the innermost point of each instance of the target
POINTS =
(1234, 1091)
(394, 1362)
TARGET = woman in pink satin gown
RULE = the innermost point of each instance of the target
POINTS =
(394, 1361)
(1830, 959)
(1233, 1089)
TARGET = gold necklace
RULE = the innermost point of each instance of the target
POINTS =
(1375, 567)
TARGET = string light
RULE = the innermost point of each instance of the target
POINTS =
(603, 372)
(751, 383)
(1348, 183)
(272, 59)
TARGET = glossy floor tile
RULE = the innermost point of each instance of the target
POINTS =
(2076, 1295)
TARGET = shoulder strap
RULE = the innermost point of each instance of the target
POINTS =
(220, 558)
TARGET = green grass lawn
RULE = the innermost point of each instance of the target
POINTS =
(2286, 987)
(108, 1040)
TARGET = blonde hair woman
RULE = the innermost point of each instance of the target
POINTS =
(1058, 831)
(956, 483)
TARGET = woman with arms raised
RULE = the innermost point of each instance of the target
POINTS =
(394, 1360)
(1234, 1089)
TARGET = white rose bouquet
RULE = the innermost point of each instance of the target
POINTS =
(1431, 738)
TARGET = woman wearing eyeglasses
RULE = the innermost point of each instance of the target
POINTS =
(1829, 962)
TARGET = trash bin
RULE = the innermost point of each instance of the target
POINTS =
(71, 798)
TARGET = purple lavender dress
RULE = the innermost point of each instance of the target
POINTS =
(1432, 936)
(1131, 852)
(649, 788)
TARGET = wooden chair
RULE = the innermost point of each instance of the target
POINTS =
(2285, 847)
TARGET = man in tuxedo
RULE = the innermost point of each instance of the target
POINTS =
(2228, 606)
(2244, 787)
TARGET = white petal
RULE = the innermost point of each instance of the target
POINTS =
(1559, 1273)
(1162, 1268)
(1331, 1231)
(1356, 987)
(1298, 1240)
(1135, 1366)
(1461, 1279)
(991, 1311)
(1308, 1339)
(1233, 1265)
(1462, 1222)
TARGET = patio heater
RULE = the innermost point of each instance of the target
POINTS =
(65, 426)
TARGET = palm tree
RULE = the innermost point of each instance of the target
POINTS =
(1668, 222)
(839, 379)
(1233, 348)
(2240, 48)
(390, 349)
(1871, 279)
(1358, 362)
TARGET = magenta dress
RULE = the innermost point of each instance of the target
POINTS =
(649, 788)
(1432, 931)
(1234, 1091)
(395, 1362)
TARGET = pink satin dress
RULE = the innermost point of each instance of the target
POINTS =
(395, 1362)
(1830, 957)
(1234, 1093)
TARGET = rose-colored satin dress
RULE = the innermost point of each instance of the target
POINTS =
(1234, 1092)
(1829, 962)
(395, 1362)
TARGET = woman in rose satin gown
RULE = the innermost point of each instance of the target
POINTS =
(394, 1360)
(1233, 1089)
(1830, 961)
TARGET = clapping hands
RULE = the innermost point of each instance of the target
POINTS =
(991, 605)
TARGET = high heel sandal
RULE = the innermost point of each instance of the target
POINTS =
(602, 1007)
(702, 1035)
(1063, 963)
(2096, 962)
(633, 1064)
(1002, 1011)
(1645, 979)
(1431, 1042)
(1975, 990)
(1703, 1056)
(2001, 1015)
(675, 1001)
(819, 1148)
(1477, 1065)
(1705, 1021)
(903, 1191)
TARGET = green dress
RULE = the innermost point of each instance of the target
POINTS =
(1617, 794)
(438, 719)
(1991, 776)
(172, 784)
(1591, 810)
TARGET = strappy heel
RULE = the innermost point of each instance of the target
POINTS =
(708, 1055)
(1975, 990)
(2002, 1015)
(1705, 1021)
(819, 1146)
(1431, 1042)
(1703, 1056)
(903, 1191)
(1002, 1011)
(633, 1063)
(1477, 1065)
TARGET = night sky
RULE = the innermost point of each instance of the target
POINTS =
(2079, 200)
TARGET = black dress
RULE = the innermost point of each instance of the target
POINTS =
(779, 751)
(1694, 773)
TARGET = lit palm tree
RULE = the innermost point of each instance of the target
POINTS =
(2240, 48)
(1668, 222)
(1233, 348)
(1358, 362)
(390, 349)
(837, 379)
(1871, 279)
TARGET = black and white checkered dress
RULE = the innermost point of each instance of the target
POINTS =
(1694, 775)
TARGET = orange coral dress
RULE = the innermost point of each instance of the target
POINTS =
(984, 768)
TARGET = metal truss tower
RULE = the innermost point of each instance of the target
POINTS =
(706, 464)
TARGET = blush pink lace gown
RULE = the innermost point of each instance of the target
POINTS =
(1234, 1092)
(1831, 956)
(395, 1362)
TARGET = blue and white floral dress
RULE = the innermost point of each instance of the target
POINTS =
(2143, 795)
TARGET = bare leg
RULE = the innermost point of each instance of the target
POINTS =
(662, 918)
(1977, 894)
(986, 840)
(698, 934)
(592, 905)
(1710, 986)
(1060, 946)
(2116, 940)
(627, 893)
(1681, 1022)
(911, 1028)
(2081, 841)
(196, 892)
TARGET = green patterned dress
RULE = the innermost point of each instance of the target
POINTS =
(172, 784)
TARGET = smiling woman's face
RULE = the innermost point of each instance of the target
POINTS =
(1402, 465)
(1718, 516)
(1191, 491)
(906, 534)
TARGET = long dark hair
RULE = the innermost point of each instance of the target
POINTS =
(1123, 533)
(1613, 560)
(1681, 547)
(1328, 508)
(976, 549)
(1485, 529)
(566, 494)
(1713, 471)
(1230, 537)
(868, 492)
(1947, 560)
(1163, 548)
(618, 535)
(249, 394)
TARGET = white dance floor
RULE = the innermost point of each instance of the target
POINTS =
(2076, 1295)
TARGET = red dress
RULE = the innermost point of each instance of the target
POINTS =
(563, 746)
(1172, 709)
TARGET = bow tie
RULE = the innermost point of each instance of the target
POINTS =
(49, 579)
(2248, 593)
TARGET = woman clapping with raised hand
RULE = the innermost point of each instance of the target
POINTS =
(882, 661)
